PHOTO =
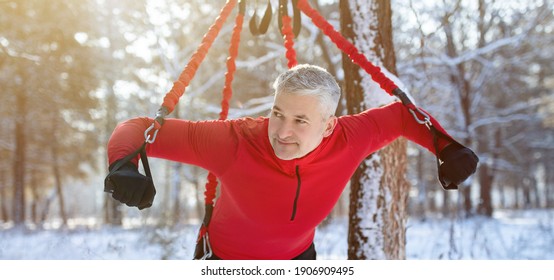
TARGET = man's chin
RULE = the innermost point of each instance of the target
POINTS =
(284, 152)
(285, 156)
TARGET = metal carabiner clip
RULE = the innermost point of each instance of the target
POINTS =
(208, 253)
(426, 118)
(147, 134)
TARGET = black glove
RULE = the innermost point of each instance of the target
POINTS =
(458, 164)
(128, 186)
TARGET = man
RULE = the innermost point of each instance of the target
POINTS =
(280, 176)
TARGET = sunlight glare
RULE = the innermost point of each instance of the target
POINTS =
(81, 37)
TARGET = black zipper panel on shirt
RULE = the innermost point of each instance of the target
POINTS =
(297, 193)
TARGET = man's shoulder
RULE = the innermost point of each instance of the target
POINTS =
(251, 121)
(250, 126)
(374, 113)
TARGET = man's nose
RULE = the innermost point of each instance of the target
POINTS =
(285, 130)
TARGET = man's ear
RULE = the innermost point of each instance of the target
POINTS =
(330, 126)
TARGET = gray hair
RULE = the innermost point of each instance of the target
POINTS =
(305, 79)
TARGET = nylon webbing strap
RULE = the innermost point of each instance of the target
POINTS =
(436, 135)
(296, 23)
(261, 29)
(143, 158)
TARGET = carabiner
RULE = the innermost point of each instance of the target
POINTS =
(426, 118)
(147, 134)
(208, 253)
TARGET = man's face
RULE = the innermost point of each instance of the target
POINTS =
(297, 125)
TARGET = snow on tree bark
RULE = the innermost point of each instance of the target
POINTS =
(379, 190)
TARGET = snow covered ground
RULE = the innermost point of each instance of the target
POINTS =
(509, 235)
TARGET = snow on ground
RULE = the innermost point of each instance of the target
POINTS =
(509, 235)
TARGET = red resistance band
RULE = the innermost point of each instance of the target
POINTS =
(172, 97)
(347, 47)
(211, 185)
(288, 35)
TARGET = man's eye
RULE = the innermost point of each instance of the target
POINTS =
(301, 121)
(277, 114)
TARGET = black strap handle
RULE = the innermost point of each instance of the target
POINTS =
(297, 16)
(436, 135)
(256, 29)
(144, 159)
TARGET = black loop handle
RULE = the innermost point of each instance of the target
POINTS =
(256, 29)
(297, 16)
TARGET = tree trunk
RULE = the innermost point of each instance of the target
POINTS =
(549, 185)
(465, 191)
(485, 182)
(36, 198)
(58, 182)
(421, 203)
(19, 161)
(445, 203)
(502, 195)
(176, 212)
(527, 193)
(536, 192)
(112, 208)
(55, 154)
(379, 191)
(517, 194)
(487, 176)
(4, 215)
(46, 211)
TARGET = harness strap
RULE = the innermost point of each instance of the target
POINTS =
(436, 135)
(143, 158)
(297, 15)
(283, 12)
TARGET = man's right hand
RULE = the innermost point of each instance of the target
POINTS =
(128, 186)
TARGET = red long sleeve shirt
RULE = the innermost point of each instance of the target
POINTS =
(269, 208)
